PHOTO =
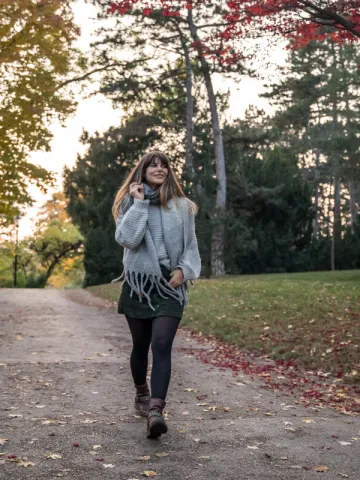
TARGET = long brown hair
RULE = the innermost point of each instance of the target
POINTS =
(168, 190)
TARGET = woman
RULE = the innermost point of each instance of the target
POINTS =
(155, 225)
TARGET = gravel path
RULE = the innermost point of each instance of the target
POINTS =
(67, 406)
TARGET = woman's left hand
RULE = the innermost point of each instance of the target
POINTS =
(177, 278)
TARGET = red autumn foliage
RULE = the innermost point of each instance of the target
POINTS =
(301, 21)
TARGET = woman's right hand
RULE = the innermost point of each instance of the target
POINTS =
(137, 190)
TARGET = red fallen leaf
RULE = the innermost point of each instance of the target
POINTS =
(334, 436)
(99, 459)
(11, 456)
(75, 444)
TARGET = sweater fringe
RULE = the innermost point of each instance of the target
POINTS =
(157, 281)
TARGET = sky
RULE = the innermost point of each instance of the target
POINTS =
(97, 114)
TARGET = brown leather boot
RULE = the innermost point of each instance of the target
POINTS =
(142, 399)
(155, 421)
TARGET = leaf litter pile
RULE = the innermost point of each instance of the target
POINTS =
(299, 333)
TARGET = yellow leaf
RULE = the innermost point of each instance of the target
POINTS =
(308, 420)
(145, 457)
(53, 456)
(149, 473)
(321, 468)
(26, 464)
(96, 447)
(161, 454)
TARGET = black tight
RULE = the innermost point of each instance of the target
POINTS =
(160, 333)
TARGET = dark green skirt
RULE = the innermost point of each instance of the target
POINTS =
(132, 307)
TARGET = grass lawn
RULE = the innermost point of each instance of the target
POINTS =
(313, 318)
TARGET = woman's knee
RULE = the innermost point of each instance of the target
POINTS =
(141, 346)
(161, 346)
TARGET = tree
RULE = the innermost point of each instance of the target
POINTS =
(319, 114)
(183, 33)
(90, 187)
(57, 242)
(241, 19)
(36, 56)
(298, 20)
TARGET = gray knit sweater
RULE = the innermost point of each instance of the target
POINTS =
(150, 234)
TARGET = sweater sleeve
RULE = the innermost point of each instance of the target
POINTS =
(190, 261)
(131, 225)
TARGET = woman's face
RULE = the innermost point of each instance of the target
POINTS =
(156, 174)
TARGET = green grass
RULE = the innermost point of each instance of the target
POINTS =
(313, 317)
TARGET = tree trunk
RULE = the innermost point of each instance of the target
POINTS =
(352, 154)
(353, 207)
(336, 233)
(218, 235)
(189, 166)
(316, 200)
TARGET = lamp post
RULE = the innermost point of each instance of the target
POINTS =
(16, 222)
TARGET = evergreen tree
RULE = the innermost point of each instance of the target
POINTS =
(319, 120)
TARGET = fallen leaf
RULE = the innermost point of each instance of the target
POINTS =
(204, 457)
(344, 443)
(308, 420)
(189, 390)
(252, 447)
(26, 464)
(201, 404)
(14, 415)
(344, 475)
(96, 447)
(53, 456)
(3, 440)
(161, 454)
(108, 465)
(149, 473)
(196, 439)
(145, 457)
(321, 468)
(269, 414)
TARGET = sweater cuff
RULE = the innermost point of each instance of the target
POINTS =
(186, 271)
(141, 204)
